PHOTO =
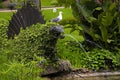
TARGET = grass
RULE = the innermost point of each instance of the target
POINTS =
(6, 15)
(46, 3)
(48, 14)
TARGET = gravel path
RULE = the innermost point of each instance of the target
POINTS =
(44, 8)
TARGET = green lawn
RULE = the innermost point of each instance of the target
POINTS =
(48, 14)
(46, 3)
(6, 15)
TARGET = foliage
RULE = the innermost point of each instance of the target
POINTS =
(20, 71)
(1, 5)
(101, 60)
(46, 3)
(70, 50)
(3, 37)
(54, 2)
(66, 2)
(99, 23)
(103, 27)
(71, 23)
(26, 46)
(11, 68)
(16, 1)
(96, 60)
(30, 42)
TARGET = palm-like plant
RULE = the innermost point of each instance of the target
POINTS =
(100, 21)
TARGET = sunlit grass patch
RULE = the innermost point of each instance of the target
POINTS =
(6, 15)
(48, 14)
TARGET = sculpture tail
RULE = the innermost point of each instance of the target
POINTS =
(24, 17)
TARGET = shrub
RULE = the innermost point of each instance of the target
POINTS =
(29, 43)
(96, 60)
(99, 23)
(3, 35)
(20, 71)
(10, 67)
(1, 5)
(102, 60)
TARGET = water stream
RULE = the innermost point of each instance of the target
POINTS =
(72, 37)
(78, 42)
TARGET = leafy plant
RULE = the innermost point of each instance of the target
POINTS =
(101, 60)
(13, 66)
(30, 42)
(3, 37)
(96, 60)
(99, 22)
(20, 71)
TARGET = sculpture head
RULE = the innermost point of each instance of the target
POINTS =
(56, 32)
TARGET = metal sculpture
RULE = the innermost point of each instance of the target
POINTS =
(24, 17)
(55, 33)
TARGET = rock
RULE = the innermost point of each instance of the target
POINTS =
(58, 68)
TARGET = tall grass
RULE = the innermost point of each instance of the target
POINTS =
(20, 71)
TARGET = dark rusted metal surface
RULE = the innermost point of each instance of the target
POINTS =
(24, 17)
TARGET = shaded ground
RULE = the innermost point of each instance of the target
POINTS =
(83, 74)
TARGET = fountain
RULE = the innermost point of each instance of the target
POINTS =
(55, 65)
(65, 71)
(57, 69)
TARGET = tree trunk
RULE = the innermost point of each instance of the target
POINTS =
(37, 3)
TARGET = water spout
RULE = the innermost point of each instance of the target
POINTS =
(91, 42)
(77, 41)
(68, 35)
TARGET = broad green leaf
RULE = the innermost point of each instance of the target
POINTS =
(118, 21)
(104, 33)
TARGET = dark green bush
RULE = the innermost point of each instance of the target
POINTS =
(101, 60)
(3, 35)
(99, 23)
(1, 5)
(98, 60)
(26, 47)
(28, 44)
(10, 67)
